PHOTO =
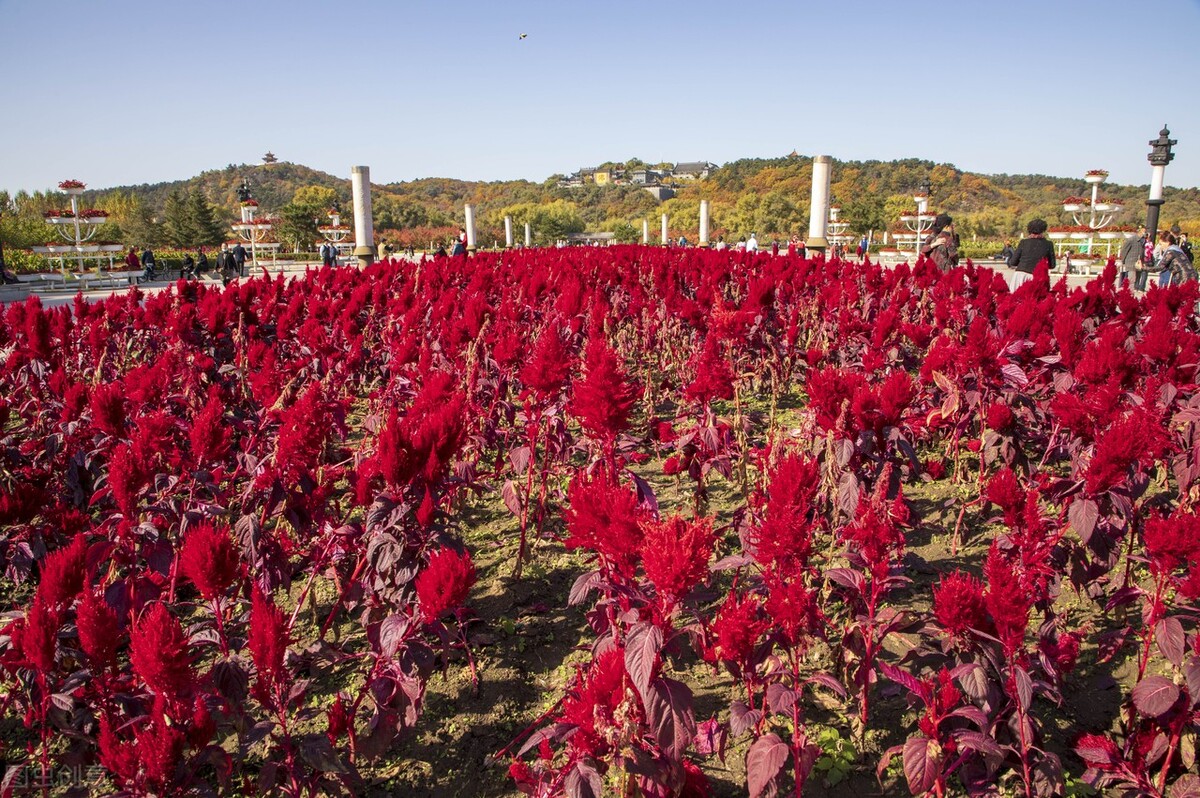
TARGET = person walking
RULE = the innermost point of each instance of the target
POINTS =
(328, 253)
(1030, 251)
(1129, 260)
(201, 262)
(752, 243)
(239, 259)
(940, 246)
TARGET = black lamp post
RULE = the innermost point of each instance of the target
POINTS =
(1160, 155)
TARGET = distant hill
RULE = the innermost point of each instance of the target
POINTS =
(767, 195)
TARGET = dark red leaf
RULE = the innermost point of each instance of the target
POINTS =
(642, 649)
(1171, 641)
(922, 763)
(669, 712)
(1083, 515)
(1155, 695)
(764, 760)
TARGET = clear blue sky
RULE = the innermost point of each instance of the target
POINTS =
(128, 91)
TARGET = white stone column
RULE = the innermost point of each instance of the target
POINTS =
(508, 233)
(528, 235)
(703, 223)
(469, 212)
(664, 230)
(364, 224)
(818, 209)
(645, 231)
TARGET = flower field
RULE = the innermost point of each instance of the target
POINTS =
(627, 521)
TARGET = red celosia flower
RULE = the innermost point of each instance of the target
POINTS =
(1063, 651)
(98, 629)
(784, 540)
(603, 517)
(126, 478)
(672, 465)
(39, 636)
(604, 398)
(550, 363)
(301, 439)
(63, 574)
(1138, 438)
(445, 583)
(714, 378)
(209, 435)
(339, 720)
(1172, 541)
(831, 393)
(936, 469)
(120, 758)
(792, 610)
(592, 707)
(268, 642)
(1004, 492)
(108, 408)
(158, 651)
(203, 727)
(1007, 603)
(675, 553)
(738, 626)
(159, 749)
(210, 559)
(895, 395)
(958, 604)
(876, 537)
(999, 416)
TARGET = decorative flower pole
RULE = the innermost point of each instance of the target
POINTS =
(1100, 213)
(837, 227)
(77, 228)
(335, 232)
(918, 223)
(252, 231)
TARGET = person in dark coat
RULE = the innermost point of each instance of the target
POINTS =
(941, 245)
(1032, 250)
(239, 259)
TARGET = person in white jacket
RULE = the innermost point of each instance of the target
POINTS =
(752, 243)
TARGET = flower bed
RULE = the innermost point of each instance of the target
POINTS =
(242, 529)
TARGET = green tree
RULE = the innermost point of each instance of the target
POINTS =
(177, 225)
(142, 228)
(549, 221)
(299, 219)
(207, 230)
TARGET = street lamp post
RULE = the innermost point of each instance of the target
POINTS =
(1160, 155)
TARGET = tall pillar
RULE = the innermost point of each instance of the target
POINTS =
(703, 223)
(364, 224)
(818, 209)
(508, 233)
(470, 214)
(645, 231)
(664, 230)
(528, 235)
